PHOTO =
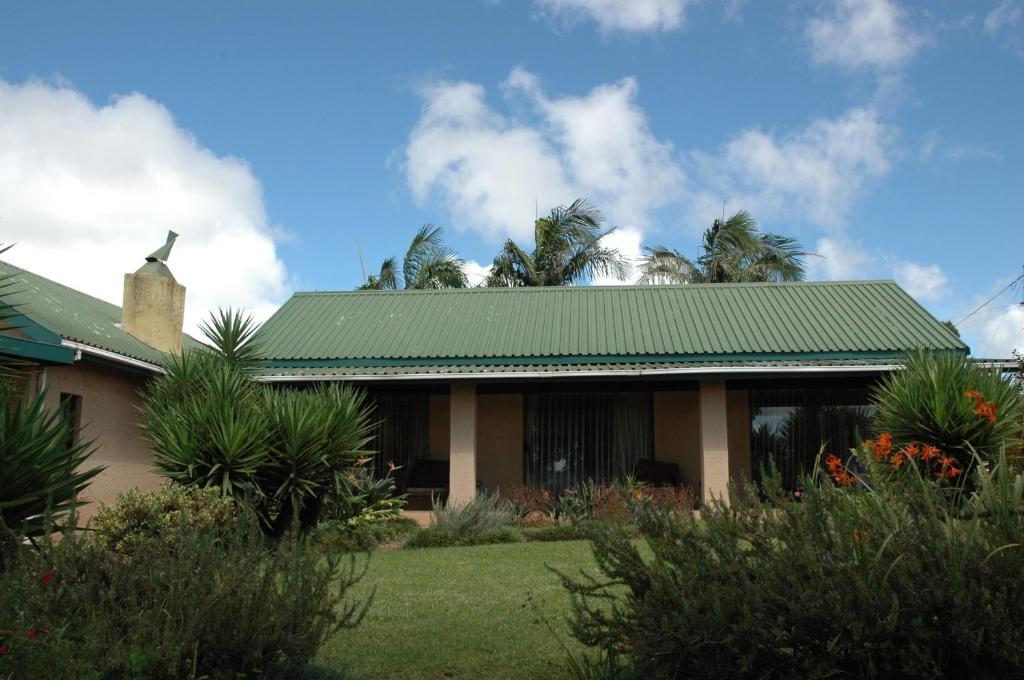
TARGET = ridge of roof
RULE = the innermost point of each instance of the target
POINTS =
(564, 289)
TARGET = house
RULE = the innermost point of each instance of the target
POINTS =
(92, 358)
(553, 386)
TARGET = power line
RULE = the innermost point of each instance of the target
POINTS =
(984, 304)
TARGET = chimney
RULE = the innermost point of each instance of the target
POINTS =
(154, 303)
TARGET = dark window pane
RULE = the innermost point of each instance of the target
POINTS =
(403, 433)
(571, 437)
(790, 426)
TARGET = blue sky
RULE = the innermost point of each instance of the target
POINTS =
(280, 139)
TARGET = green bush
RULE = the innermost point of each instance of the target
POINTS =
(930, 401)
(344, 538)
(162, 515)
(485, 512)
(898, 579)
(285, 453)
(209, 604)
(435, 537)
(42, 474)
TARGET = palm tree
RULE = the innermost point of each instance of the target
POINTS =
(428, 263)
(567, 250)
(733, 250)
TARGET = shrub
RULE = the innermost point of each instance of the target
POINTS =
(138, 517)
(366, 499)
(936, 400)
(285, 453)
(342, 538)
(42, 474)
(898, 579)
(485, 512)
(530, 505)
(207, 605)
(435, 537)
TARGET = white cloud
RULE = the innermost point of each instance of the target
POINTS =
(841, 258)
(629, 243)
(816, 173)
(1001, 334)
(492, 173)
(495, 174)
(863, 33)
(1006, 23)
(87, 191)
(620, 15)
(476, 272)
(927, 283)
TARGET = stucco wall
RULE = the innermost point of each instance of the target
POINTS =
(110, 416)
(499, 440)
(677, 432)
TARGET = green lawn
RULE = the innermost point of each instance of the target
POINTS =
(476, 612)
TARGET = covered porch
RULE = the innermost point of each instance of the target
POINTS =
(557, 434)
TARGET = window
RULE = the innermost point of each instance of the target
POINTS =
(71, 413)
(789, 426)
(403, 433)
(572, 437)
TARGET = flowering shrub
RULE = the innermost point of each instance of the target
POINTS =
(530, 505)
(897, 578)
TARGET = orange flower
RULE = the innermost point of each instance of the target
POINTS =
(929, 453)
(391, 466)
(884, 445)
(361, 461)
(639, 494)
(987, 410)
(954, 472)
(897, 460)
(911, 451)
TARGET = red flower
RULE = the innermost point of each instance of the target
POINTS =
(46, 578)
(3, 650)
(32, 633)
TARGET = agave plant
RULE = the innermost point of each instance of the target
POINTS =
(43, 473)
(937, 399)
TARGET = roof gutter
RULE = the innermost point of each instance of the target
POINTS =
(81, 348)
(1006, 366)
(623, 373)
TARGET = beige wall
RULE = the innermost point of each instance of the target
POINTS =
(110, 416)
(677, 432)
(499, 460)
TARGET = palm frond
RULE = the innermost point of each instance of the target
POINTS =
(661, 265)
(235, 335)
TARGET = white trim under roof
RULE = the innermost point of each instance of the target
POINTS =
(1004, 365)
(111, 356)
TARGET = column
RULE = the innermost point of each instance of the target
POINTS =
(714, 440)
(462, 454)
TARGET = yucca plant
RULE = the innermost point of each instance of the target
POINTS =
(43, 474)
(282, 452)
(948, 402)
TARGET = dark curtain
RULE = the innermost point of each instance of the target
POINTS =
(789, 427)
(403, 434)
(572, 437)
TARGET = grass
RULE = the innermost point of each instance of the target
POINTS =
(491, 611)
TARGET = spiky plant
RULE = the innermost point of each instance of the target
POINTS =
(937, 399)
(44, 472)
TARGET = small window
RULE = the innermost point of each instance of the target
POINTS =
(71, 413)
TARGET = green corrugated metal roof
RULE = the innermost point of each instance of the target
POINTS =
(75, 316)
(814, 320)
